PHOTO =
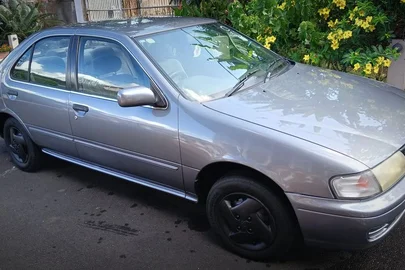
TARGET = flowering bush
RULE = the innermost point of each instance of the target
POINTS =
(347, 35)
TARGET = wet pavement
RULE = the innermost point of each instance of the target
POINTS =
(69, 217)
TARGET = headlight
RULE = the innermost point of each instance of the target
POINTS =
(390, 171)
(370, 182)
(356, 186)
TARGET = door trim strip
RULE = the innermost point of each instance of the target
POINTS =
(140, 181)
(129, 155)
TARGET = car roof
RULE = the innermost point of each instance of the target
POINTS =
(140, 26)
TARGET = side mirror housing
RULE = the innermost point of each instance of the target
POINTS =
(136, 96)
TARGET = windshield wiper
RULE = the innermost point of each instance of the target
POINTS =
(269, 67)
(241, 82)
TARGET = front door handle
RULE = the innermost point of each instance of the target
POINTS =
(80, 110)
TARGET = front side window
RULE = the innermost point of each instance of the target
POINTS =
(105, 67)
(49, 62)
(206, 61)
(20, 71)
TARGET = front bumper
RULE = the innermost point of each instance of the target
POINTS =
(343, 224)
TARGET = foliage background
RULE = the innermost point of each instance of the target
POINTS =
(347, 35)
(23, 19)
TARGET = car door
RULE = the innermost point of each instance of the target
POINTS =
(36, 91)
(137, 141)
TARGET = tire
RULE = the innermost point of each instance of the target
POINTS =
(240, 210)
(23, 151)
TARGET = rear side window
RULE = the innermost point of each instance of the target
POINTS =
(20, 71)
(105, 67)
(49, 62)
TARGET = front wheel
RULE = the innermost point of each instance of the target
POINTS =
(252, 220)
(23, 151)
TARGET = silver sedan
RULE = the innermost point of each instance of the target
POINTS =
(276, 150)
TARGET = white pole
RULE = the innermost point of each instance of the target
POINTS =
(79, 11)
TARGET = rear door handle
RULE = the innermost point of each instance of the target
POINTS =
(80, 108)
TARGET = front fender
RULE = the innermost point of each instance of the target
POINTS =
(296, 165)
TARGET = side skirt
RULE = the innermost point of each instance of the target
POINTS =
(141, 181)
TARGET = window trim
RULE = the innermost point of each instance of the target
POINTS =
(75, 64)
(32, 46)
(67, 82)
(29, 64)
(81, 42)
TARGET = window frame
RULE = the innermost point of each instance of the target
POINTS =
(74, 68)
(32, 46)
(29, 65)
(81, 44)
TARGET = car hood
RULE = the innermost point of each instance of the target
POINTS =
(358, 117)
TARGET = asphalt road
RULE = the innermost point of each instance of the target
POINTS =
(69, 217)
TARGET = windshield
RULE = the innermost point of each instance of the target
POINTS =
(206, 61)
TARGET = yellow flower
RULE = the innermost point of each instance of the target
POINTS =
(380, 60)
(331, 36)
(335, 44)
(282, 6)
(369, 65)
(271, 39)
(347, 34)
(306, 58)
(340, 3)
(387, 63)
(340, 34)
(355, 9)
(403, 1)
(365, 25)
(367, 71)
(376, 69)
(358, 22)
(325, 12)
(352, 15)
(332, 24)
(267, 46)
(369, 19)
(371, 28)
(362, 13)
(356, 67)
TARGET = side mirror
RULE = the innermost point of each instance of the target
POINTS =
(136, 96)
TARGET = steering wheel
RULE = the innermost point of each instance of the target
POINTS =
(178, 77)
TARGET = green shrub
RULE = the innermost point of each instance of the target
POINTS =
(216, 9)
(23, 19)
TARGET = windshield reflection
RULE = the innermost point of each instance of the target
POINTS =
(206, 61)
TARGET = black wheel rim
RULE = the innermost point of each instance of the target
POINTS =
(18, 145)
(246, 221)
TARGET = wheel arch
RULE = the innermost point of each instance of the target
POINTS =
(4, 115)
(212, 172)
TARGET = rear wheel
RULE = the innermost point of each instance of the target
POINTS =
(251, 220)
(24, 153)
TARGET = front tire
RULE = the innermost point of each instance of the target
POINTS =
(23, 151)
(251, 220)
